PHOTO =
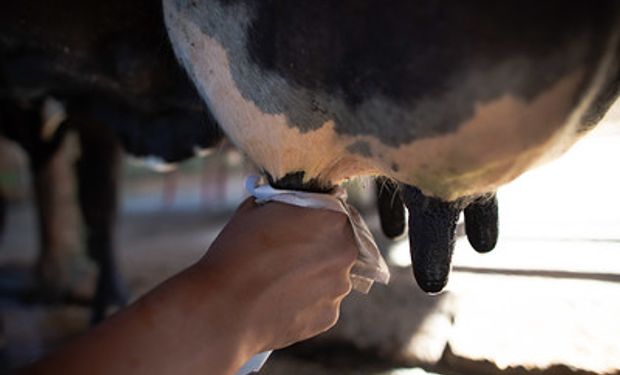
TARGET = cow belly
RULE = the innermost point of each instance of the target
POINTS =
(501, 139)
(267, 138)
(451, 100)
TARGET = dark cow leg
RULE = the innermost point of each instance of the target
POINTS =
(391, 207)
(44, 142)
(97, 172)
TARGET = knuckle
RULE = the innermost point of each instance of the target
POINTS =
(330, 317)
(339, 287)
(335, 220)
(351, 252)
(347, 254)
(344, 287)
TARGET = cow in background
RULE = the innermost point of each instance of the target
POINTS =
(104, 70)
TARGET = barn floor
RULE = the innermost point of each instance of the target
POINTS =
(546, 301)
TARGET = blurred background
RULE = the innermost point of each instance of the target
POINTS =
(545, 301)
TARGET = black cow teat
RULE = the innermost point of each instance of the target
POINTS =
(432, 232)
(481, 223)
(391, 207)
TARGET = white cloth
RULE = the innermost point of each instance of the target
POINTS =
(370, 265)
(254, 364)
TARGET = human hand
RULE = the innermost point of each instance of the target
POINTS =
(283, 269)
(275, 275)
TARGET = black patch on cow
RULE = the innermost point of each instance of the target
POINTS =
(76, 47)
(395, 167)
(361, 148)
(432, 61)
(172, 135)
(295, 181)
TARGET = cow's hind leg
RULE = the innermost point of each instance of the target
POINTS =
(41, 134)
(51, 191)
(97, 172)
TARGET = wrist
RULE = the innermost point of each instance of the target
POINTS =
(218, 315)
(193, 313)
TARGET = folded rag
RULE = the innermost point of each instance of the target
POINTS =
(370, 266)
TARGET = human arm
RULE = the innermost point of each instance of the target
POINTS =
(275, 275)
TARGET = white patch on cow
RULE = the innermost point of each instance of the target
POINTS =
(202, 152)
(503, 138)
(267, 138)
(154, 163)
(53, 113)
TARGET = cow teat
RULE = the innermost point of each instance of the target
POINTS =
(432, 232)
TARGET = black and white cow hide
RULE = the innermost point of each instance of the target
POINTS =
(448, 99)
(451, 99)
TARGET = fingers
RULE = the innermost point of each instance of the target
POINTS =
(247, 204)
(327, 312)
(288, 268)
